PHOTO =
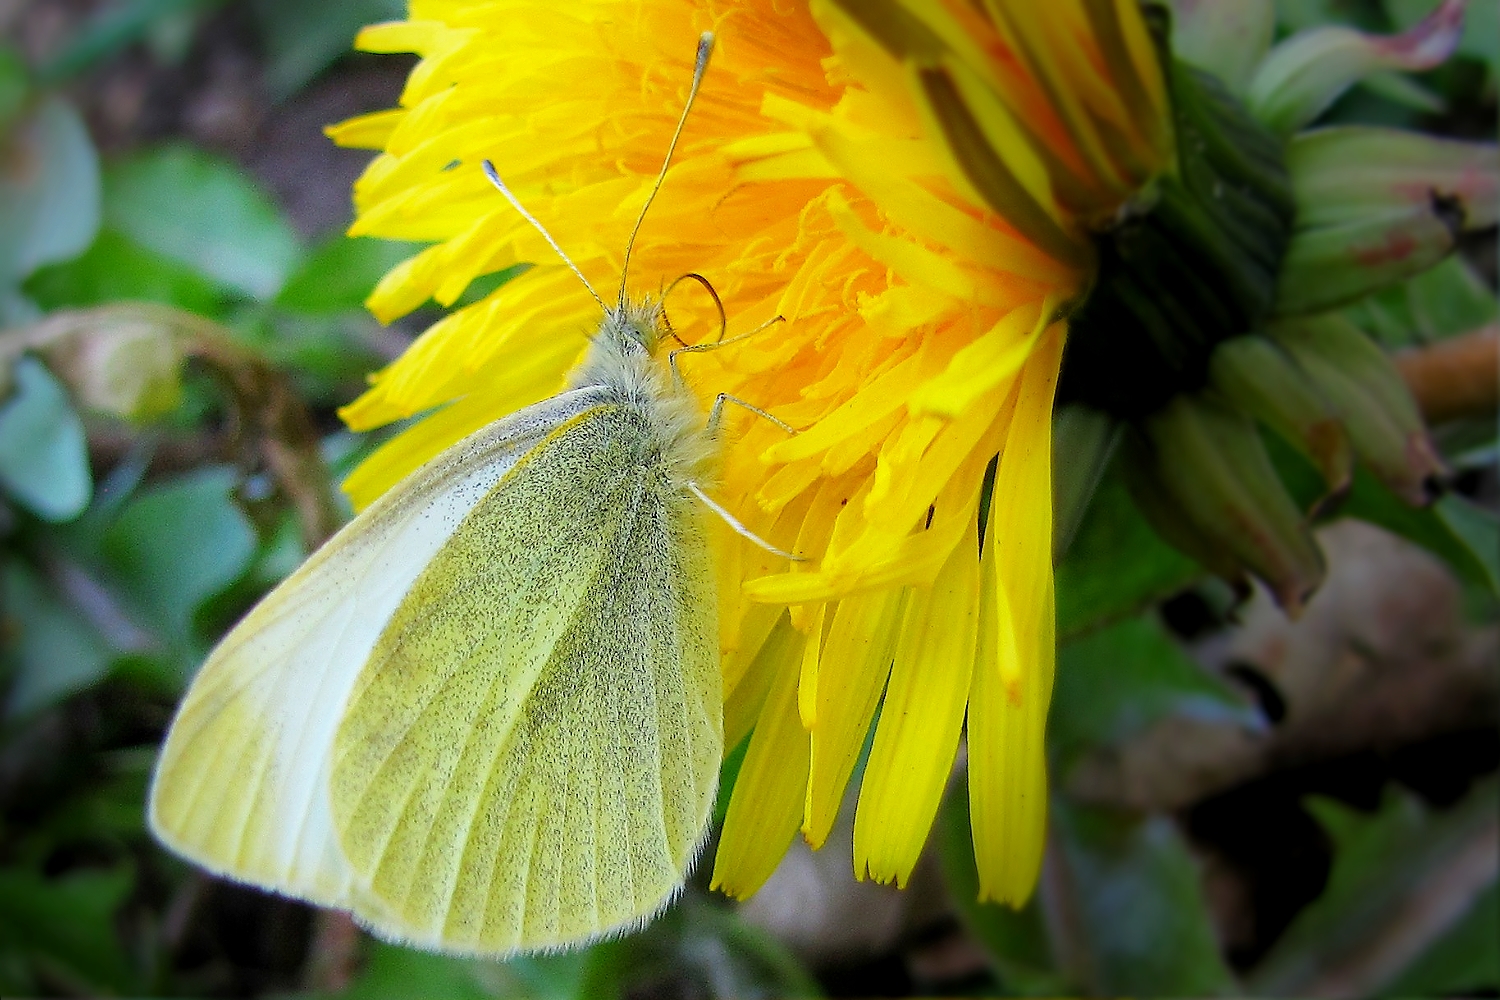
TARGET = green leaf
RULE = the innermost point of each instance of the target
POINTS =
(1464, 536)
(1401, 879)
(281, 551)
(114, 269)
(1478, 531)
(701, 948)
(14, 86)
(52, 651)
(729, 773)
(1116, 564)
(174, 546)
(44, 459)
(1299, 15)
(64, 927)
(1139, 924)
(1449, 299)
(394, 973)
(302, 39)
(113, 27)
(204, 212)
(1016, 942)
(483, 285)
(341, 273)
(1464, 962)
(697, 948)
(109, 808)
(327, 356)
(1116, 683)
(543, 976)
(49, 190)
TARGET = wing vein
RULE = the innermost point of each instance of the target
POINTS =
(551, 662)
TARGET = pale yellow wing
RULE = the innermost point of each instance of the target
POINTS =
(242, 783)
(529, 760)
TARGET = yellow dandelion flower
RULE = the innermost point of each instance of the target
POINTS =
(911, 185)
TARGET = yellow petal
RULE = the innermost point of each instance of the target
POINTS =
(766, 806)
(396, 294)
(1013, 669)
(917, 735)
(852, 668)
(885, 395)
(871, 165)
(988, 361)
(898, 310)
(897, 502)
(807, 680)
(915, 559)
(397, 458)
(744, 704)
(754, 629)
(418, 36)
(370, 131)
(941, 274)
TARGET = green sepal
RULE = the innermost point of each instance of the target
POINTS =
(1192, 261)
(1202, 476)
(1225, 37)
(1083, 442)
(1258, 377)
(1371, 399)
(1307, 72)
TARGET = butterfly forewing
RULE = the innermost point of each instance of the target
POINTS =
(242, 785)
(529, 757)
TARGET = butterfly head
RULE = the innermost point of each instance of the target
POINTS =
(637, 326)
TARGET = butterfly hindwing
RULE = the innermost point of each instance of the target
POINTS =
(530, 756)
(241, 786)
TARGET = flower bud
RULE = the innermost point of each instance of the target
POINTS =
(127, 368)
(1306, 73)
(1376, 206)
(1225, 37)
(1213, 473)
(1371, 399)
(1259, 378)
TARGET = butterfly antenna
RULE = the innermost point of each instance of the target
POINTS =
(705, 49)
(494, 176)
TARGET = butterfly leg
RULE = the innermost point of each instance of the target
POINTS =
(716, 414)
(701, 348)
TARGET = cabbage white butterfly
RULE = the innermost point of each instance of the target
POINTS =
(484, 717)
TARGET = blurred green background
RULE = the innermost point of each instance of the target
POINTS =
(1241, 806)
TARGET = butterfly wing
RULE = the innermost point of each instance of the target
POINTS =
(530, 758)
(241, 786)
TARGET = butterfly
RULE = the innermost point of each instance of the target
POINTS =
(486, 716)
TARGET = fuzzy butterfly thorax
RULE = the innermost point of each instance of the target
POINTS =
(622, 360)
